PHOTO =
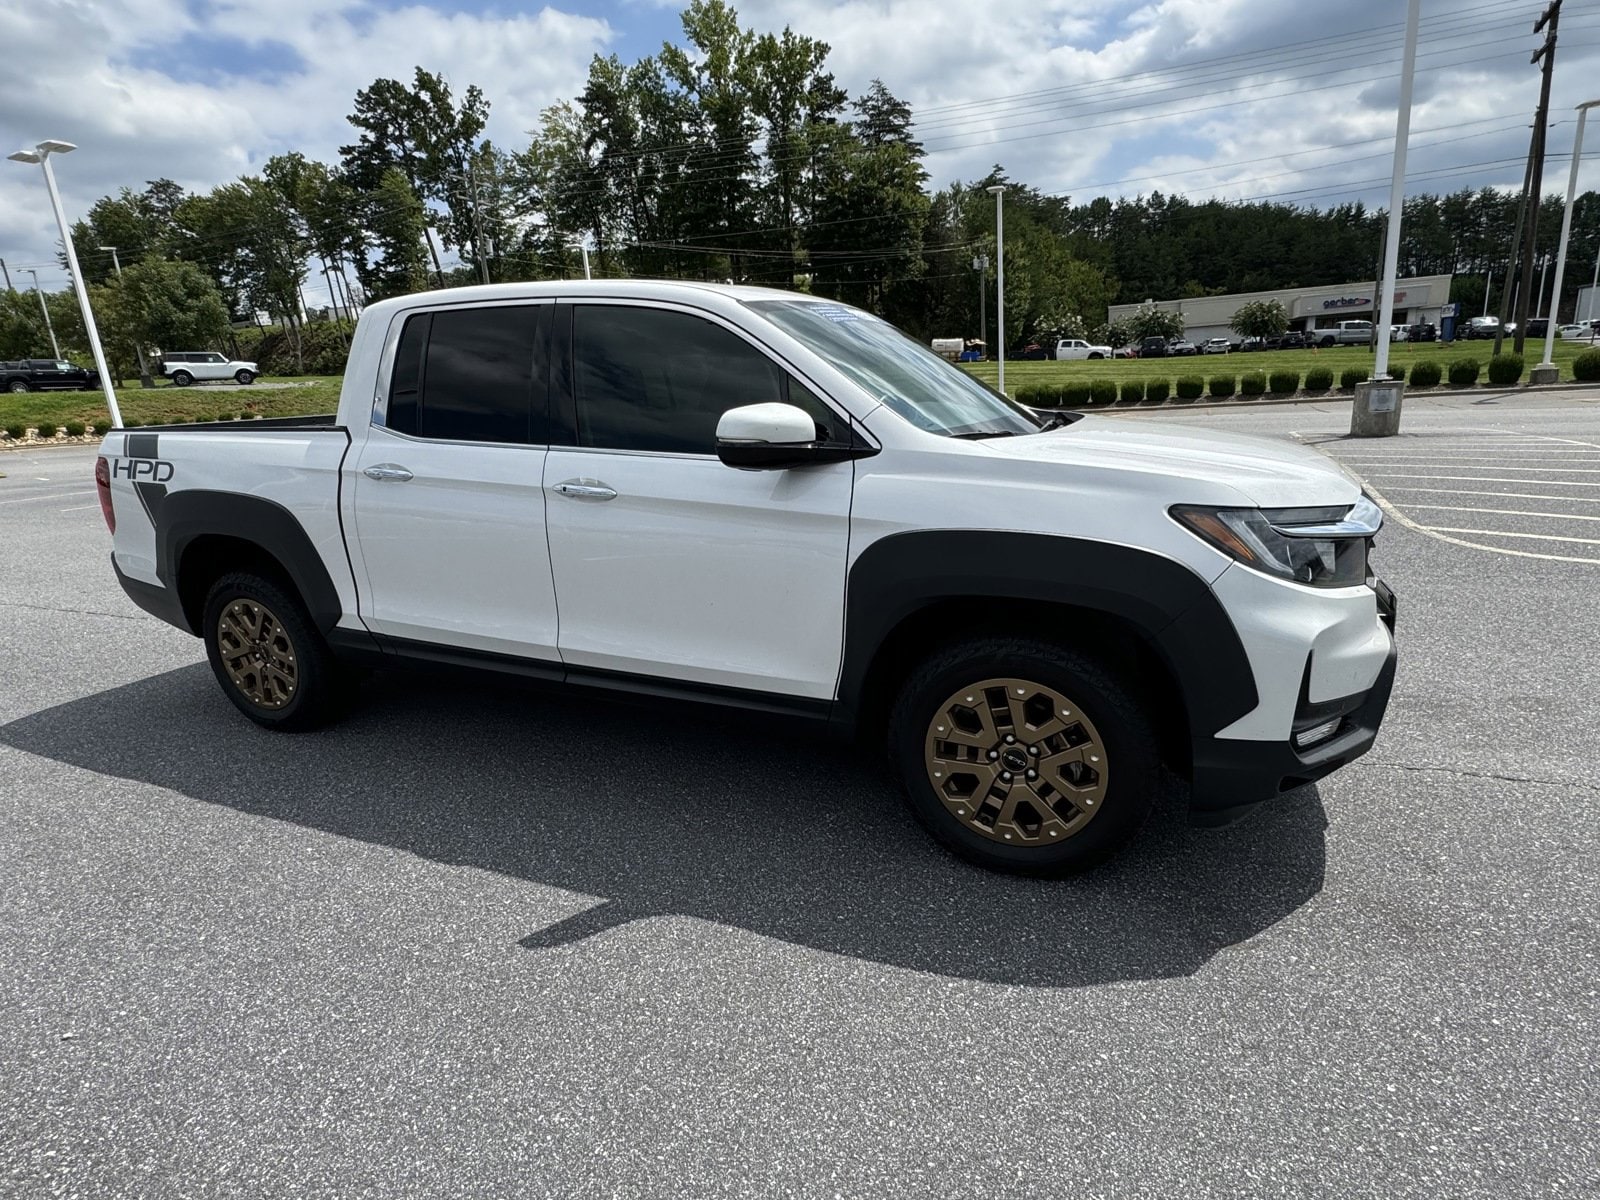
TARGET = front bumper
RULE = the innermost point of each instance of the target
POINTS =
(1233, 775)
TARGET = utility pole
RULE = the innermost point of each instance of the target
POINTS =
(49, 328)
(1487, 288)
(7, 274)
(980, 264)
(1508, 286)
(1547, 52)
(138, 348)
(998, 191)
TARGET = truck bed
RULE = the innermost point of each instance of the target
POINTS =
(314, 421)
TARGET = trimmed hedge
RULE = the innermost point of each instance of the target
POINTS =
(1350, 376)
(1132, 391)
(1319, 379)
(1426, 373)
(1103, 391)
(1190, 387)
(1221, 386)
(45, 430)
(1397, 372)
(16, 432)
(1586, 367)
(1505, 368)
(1157, 390)
(1281, 383)
(101, 428)
(75, 428)
(1252, 383)
(1076, 394)
(1464, 372)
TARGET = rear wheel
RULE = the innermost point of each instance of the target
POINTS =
(182, 378)
(1023, 755)
(18, 385)
(267, 654)
(245, 377)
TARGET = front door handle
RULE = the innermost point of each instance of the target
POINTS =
(586, 489)
(387, 471)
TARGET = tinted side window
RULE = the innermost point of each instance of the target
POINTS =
(649, 379)
(468, 375)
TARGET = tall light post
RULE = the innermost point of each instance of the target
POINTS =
(41, 154)
(980, 264)
(1546, 371)
(55, 348)
(998, 191)
(138, 348)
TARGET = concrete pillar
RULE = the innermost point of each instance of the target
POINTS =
(1376, 412)
(1544, 374)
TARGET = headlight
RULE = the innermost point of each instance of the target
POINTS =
(1321, 547)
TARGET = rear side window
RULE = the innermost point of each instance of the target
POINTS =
(469, 375)
(655, 380)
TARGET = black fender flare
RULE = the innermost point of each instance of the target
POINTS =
(1173, 608)
(183, 516)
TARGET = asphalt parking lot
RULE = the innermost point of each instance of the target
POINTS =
(482, 943)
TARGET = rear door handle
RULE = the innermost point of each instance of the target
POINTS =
(387, 471)
(586, 489)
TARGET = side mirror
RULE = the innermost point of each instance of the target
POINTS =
(769, 435)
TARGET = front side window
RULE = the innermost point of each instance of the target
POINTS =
(650, 379)
(907, 377)
(216, 358)
(468, 375)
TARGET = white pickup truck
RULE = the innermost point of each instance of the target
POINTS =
(773, 502)
(1077, 348)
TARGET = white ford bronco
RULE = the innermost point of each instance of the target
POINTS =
(765, 500)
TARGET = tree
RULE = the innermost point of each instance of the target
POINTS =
(1150, 320)
(395, 226)
(168, 305)
(1260, 318)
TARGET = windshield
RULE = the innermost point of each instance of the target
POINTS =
(907, 377)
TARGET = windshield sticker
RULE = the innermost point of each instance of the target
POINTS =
(836, 312)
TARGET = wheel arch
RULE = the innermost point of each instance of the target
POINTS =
(202, 535)
(1153, 619)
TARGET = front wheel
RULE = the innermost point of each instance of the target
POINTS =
(1023, 755)
(245, 377)
(267, 655)
(1095, 356)
(182, 378)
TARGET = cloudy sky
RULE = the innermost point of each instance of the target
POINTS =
(1230, 98)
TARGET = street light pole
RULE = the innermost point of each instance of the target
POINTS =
(49, 328)
(1547, 367)
(1397, 193)
(41, 154)
(138, 347)
(980, 264)
(998, 191)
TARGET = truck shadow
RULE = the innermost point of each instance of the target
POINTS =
(671, 812)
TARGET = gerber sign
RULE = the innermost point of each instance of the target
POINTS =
(1357, 301)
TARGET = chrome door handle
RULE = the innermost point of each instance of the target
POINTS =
(387, 471)
(586, 490)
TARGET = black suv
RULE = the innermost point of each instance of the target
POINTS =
(46, 374)
(1423, 331)
(1153, 347)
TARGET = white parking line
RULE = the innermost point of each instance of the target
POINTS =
(83, 507)
(1510, 512)
(1541, 537)
(1488, 479)
(47, 496)
(1502, 495)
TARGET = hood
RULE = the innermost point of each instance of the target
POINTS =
(1268, 472)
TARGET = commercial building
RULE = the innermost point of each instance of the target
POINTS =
(1416, 300)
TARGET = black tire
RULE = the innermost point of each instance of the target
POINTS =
(18, 385)
(1326, 342)
(1097, 356)
(182, 378)
(321, 686)
(1132, 757)
(245, 377)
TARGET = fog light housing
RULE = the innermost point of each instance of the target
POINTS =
(1317, 733)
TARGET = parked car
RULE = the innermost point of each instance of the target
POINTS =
(1478, 328)
(1577, 333)
(1251, 344)
(1125, 352)
(1399, 333)
(1294, 339)
(1345, 333)
(1077, 348)
(1423, 331)
(1153, 347)
(46, 375)
(1537, 327)
(1182, 348)
(184, 367)
(1216, 345)
(1031, 352)
(761, 500)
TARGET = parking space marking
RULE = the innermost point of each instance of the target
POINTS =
(1489, 479)
(1503, 495)
(1510, 512)
(1542, 537)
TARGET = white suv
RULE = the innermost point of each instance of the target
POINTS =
(184, 367)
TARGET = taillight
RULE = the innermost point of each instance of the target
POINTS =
(102, 484)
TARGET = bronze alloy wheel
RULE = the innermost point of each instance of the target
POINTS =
(257, 653)
(1016, 762)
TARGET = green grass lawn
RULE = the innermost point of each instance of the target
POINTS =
(162, 405)
(1335, 358)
